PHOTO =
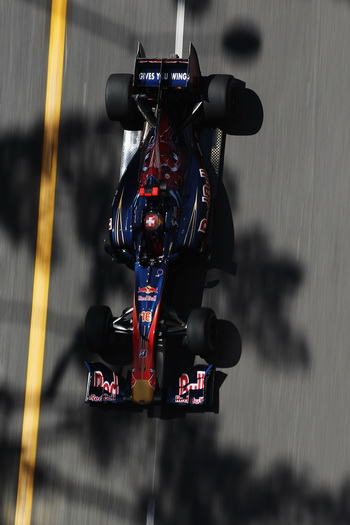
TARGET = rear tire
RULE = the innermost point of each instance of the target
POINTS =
(219, 103)
(119, 103)
(202, 331)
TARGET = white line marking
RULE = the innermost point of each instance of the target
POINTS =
(151, 507)
(298, 248)
(84, 94)
(180, 22)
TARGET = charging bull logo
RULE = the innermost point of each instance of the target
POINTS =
(147, 289)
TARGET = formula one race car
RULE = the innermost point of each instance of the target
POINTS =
(161, 219)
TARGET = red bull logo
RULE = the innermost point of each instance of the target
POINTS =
(99, 381)
(185, 386)
(147, 289)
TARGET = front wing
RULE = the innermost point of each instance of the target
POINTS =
(193, 387)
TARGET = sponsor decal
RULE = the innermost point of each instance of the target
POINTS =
(146, 298)
(184, 381)
(104, 397)
(190, 387)
(185, 386)
(93, 397)
(154, 75)
(148, 76)
(203, 226)
(206, 187)
(206, 196)
(189, 400)
(146, 316)
(197, 400)
(153, 221)
(99, 382)
(143, 353)
(110, 224)
(147, 289)
(178, 76)
(159, 272)
(152, 379)
(182, 400)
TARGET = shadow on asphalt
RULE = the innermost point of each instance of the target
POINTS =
(20, 161)
(257, 298)
(199, 483)
(196, 482)
(88, 162)
(242, 40)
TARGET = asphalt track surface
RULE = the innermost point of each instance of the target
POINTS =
(278, 451)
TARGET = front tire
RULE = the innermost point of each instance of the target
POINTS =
(115, 349)
(97, 321)
(202, 331)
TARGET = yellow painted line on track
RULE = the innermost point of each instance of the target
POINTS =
(42, 264)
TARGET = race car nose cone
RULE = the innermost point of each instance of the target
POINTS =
(142, 392)
(153, 221)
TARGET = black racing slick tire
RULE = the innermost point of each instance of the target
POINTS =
(97, 321)
(120, 105)
(202, 332)
(219, 101)
(114, 348)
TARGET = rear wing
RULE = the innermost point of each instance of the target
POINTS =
(162, 73)
(167, 73)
